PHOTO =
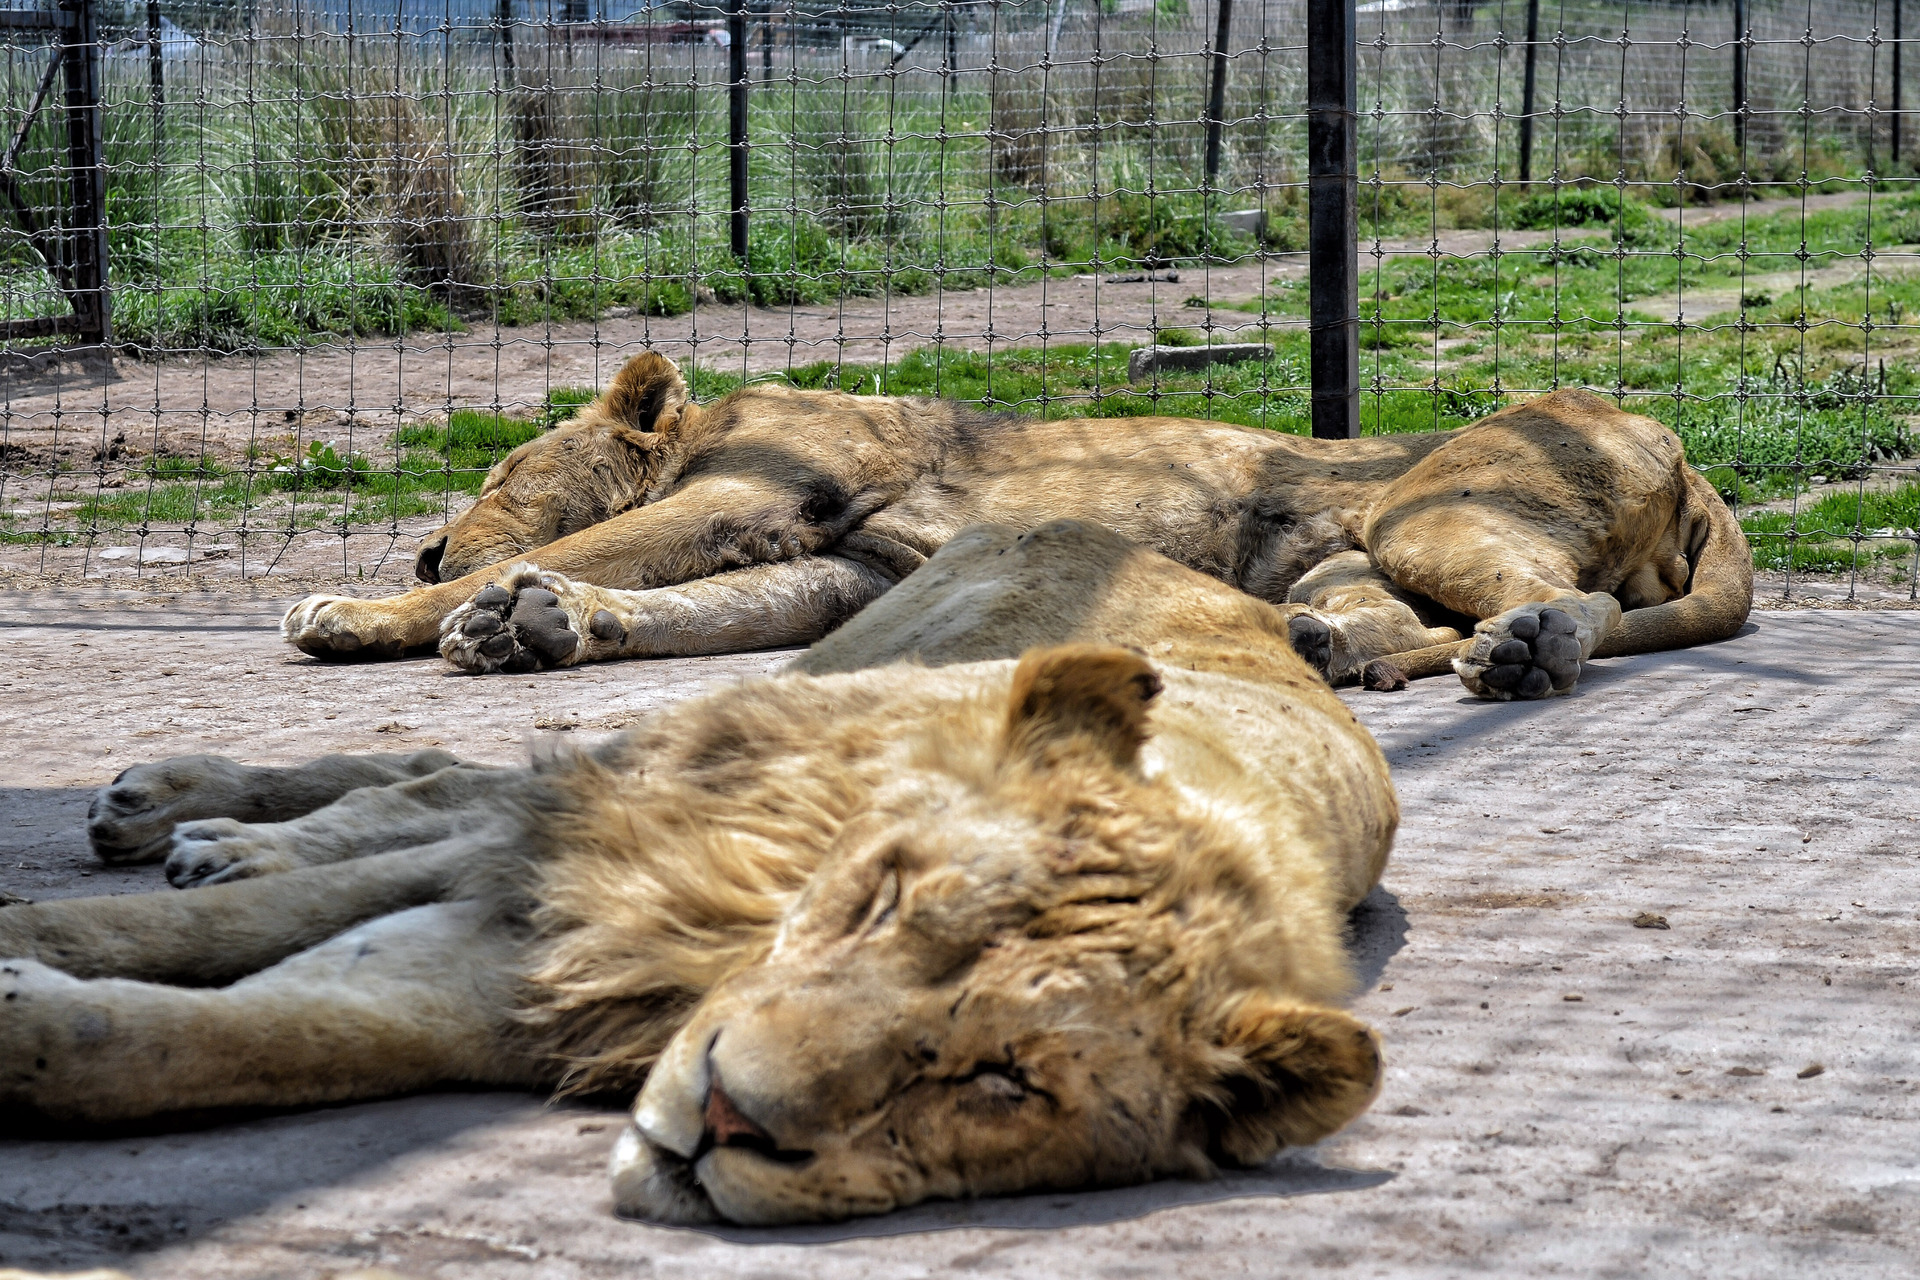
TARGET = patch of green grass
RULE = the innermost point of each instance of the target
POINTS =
(286, 299)
(169, 504)
(1784, 540)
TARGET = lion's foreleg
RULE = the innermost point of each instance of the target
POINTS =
(409, 1000)
(534, 619)
(131, 818)
(371, 820)
(709, 526)
(1346, 613)
(225, 932)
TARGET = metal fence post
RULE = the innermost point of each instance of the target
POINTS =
(1333, 227)
(1526, 93)
(737, 122)
(156, 73)
(1217, 94)
(1895, 158)
(1740, 77)
(87, 233)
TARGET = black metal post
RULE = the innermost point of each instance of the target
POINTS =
(87, 233)
(504, 18)
(1217, 93)
(1895, 158)
(737, 121)
(1526, 92)
(156, 74)
(953, 46)
(766, 44)
(1333, 324)
(1740, 76)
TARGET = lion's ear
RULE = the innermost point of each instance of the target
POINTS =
(647, 393)
(1304, 1071)
(1080, 693)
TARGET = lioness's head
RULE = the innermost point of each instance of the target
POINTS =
(583, 471)
(1023, 964)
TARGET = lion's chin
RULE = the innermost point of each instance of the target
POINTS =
(654, 1184)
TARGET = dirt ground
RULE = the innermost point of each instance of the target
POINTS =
(353, 394)
(1759, 794)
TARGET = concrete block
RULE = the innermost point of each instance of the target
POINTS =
(1252, 222)
(1144, 362)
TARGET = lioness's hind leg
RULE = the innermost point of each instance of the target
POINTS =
(132, 819)
(533, 619)
(1535, 650)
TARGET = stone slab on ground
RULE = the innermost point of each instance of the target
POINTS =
(1759, 794)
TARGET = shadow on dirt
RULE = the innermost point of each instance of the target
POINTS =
(1296, 1173)
(79, 1203)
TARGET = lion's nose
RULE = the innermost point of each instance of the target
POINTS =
(728, 1126)
(426, 562)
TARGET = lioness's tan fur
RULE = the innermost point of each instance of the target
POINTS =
(770, 516)
(914, 919)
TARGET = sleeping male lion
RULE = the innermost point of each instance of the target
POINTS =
(862, 934)
(661, 527)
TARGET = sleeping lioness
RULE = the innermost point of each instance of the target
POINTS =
(654, 526)
(861, 934)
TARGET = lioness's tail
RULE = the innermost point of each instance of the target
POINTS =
(1718, 598)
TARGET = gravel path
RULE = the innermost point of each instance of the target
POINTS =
(1759, 794)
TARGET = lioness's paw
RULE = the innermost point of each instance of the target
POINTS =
(215, 850)
(342, 627)
(1534, 651)
(521, 623)
(1313, 640)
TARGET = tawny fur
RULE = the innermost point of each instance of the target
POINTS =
(913, 920)
(772, 515)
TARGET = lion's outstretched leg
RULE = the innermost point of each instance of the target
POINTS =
(1536, 626)
(1344, 614)
(412, 999)
(533, 618)
(132, 818)
(218, 934)
(422, 811)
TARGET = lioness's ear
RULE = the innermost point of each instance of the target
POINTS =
(1087, 692)
(646, 394)
(1304, 1072)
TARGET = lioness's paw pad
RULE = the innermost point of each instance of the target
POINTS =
(1528, 654)
(513, 626)
(215, 850)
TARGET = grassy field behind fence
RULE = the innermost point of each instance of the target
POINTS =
(302, 188)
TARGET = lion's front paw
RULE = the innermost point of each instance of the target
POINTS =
(519, 624)
(130, 820)
(341, 627)
(32, 996)
(219, 849)
(1531, 652)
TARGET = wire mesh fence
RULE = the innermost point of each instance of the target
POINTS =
(355, 252)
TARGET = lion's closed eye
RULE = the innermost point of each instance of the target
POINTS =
(886, 900)
(996, 1088)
